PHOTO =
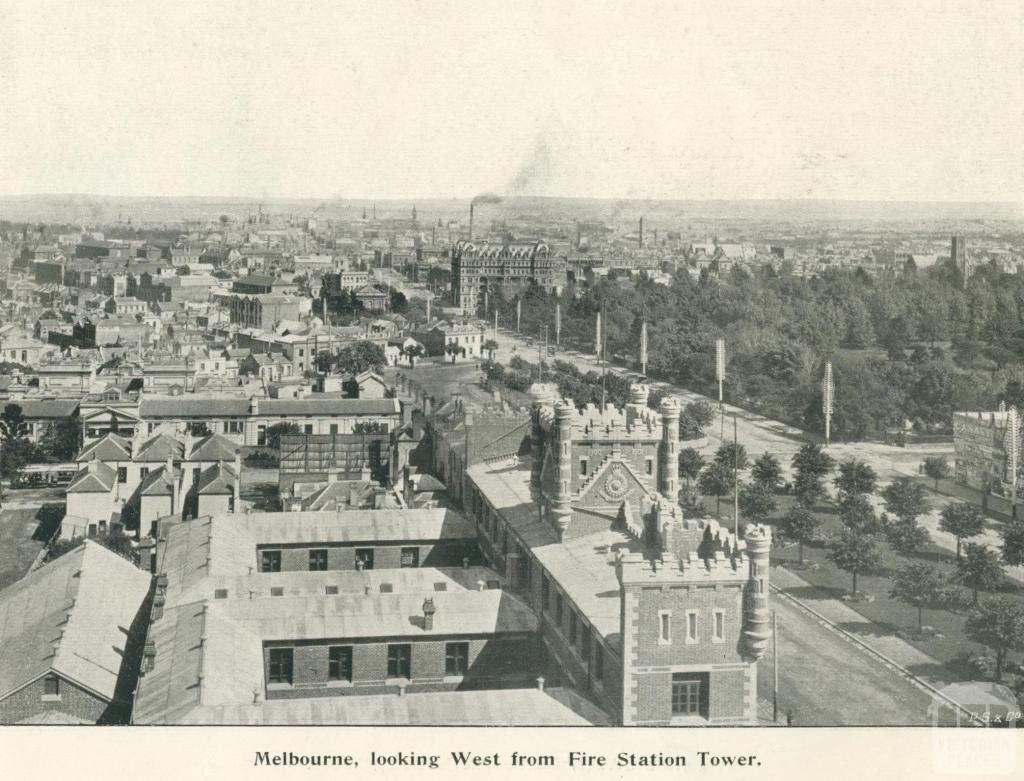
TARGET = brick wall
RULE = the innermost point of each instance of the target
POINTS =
(492, 661)
(27, 703)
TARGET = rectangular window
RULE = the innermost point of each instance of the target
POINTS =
(400, 661)
(270, 561)
(234, 427)
(143, 471)
(261, 435)
(122, 474)
(558, 610)
(51, 686)
(364, 557)
(585, 641)
(691, 626)
(280, 665)
(545, 591)
(334, 428)
(410, 557)
(456, 658)
(649, 466)
(572, 627)
(598, 662)
(308, 428)
(339, 663)
(686, 695)
(318, 560)
(718, 626)
(664, 627)
(583, 467)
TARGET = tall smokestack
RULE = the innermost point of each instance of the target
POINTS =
(470, 220)
(641, 233)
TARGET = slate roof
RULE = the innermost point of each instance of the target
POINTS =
(158, 449)
(109, 448)
(70, 616)
(197, 407)
(218, 479)
(48, 409)
(158, 483)
(95, 477)
(214, 447)
(333, 406)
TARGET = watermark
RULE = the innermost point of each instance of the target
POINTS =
(988, 714)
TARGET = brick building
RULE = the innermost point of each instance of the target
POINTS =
(71, 639)
(479, 269)
(980, 452)
(657, 618)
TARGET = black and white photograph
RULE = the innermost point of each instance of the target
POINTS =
(406, 365)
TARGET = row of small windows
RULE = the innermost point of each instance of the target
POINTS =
(270, 560)
(585, 466)
(691, 626)
(281, 662)
(580, 635)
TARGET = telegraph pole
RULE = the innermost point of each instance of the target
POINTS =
(519, 313)
(735, 479)
(720, 376)
(828, 391)
(643, 348)
(558, 324)
(775, 667)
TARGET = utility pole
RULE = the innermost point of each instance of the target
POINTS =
(720, 376)
(558, 324)
(828, 391)
(775, 667)
(643, 348)
(519, 313)
(735, 479)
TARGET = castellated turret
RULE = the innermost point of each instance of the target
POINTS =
(756, 616)
(669, 487)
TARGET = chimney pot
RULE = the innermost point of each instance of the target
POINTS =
(540, 682)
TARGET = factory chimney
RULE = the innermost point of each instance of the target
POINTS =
(470, 220)
(641, 233)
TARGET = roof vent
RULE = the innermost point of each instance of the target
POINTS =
(277, 591)
(220, 593)
(386, 588)
(493, 584)
(330, 589)
(440, 587)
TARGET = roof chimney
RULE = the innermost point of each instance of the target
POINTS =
(428, 614)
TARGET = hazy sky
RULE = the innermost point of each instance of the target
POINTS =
(809, 98)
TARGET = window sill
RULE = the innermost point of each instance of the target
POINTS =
(277, 687)
(51, 698)
(690, 720)
(454, 678)
(397, 681)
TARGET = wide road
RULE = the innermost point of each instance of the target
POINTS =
(826, 680)
(760, 435)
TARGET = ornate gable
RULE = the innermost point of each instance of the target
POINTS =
(614, 483)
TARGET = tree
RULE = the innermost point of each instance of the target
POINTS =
(905, 499)
(907, 537)
(857, 514)
(767, 471)
(453, 349)
(198, 428)
(62, 439)
(275, 432)
(799, 525)
(1013, 543)
(962, 520)
(690, 464)
(490, 346)
(756, 501)
(359, 357)
(917, 585)
(732, 455)
(979, 569)
(811, 463)
(17, 448)
(998, 623)
(397, 302)
(937, 468)
(856, 553)
(855, 478)
(412, 352)
(716, 481)
(694, 419)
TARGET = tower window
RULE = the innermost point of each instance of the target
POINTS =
(649, 466)
(691, 626)
(583, 467)
(718, 626)
(664, 627)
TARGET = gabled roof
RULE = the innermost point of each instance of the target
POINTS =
(214, 447)
(49, 409)
(158, 449)
(72, 617)
(217, 479)
(335, 406)
(178, 407)
(95, 478)
(110, 448)
(158, 483)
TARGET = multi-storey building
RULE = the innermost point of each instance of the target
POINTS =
(658, 618)
(479, 269)
(981, 450)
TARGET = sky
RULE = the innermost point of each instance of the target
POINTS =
(918, 100)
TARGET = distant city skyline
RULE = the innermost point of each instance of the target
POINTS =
(396, 101)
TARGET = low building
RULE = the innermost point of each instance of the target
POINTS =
(71, 640)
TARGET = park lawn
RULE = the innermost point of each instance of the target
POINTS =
(885, 612)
